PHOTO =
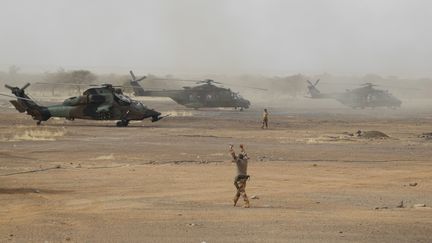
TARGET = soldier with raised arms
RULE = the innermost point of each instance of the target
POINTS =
(241, 161)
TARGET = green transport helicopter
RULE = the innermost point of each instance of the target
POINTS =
(363, 97)
(205, 95)
(103, 102)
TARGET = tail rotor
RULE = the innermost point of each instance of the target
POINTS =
(25, 104)
(138, 90)
(19, 92)
(134, 79)
(312, 89)
(313, 85)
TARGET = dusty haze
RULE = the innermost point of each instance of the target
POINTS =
(269, 37)
(312, 178)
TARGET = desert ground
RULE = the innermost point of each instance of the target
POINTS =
(172, 181)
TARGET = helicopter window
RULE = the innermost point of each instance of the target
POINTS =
(90, 91)
(138, 105)
(236, 96)
(122, 99)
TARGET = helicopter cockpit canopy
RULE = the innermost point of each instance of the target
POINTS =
(123, 99)
(236, 96)
(138, 105)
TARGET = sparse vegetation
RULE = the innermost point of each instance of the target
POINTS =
(40, 134)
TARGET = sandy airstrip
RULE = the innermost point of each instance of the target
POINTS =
(171, 181)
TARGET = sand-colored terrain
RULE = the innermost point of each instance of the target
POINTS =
(171, 181)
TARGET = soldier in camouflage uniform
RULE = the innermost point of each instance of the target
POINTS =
(265, 119)
(240, 180)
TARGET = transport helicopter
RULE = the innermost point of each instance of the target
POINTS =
(205, 95)
(103, 102)
(363, 97)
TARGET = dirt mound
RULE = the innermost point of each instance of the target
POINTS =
(372, 134)
(427, 136)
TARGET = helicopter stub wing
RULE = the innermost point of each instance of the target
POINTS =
(18, 106)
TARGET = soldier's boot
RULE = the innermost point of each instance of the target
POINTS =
(246, 205)
(235, 200)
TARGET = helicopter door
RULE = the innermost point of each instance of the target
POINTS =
(96, 99)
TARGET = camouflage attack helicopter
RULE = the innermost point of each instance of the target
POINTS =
(366, 96)
(202, 96)
(103, 102)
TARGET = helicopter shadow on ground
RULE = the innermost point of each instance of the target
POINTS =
(96, 125)
(26, 190)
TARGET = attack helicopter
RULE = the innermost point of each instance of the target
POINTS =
(205, 95)
(363, 97)
(102, 102)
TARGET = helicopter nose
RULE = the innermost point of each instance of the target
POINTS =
(246, 103)
(155, 115)
(399, 102)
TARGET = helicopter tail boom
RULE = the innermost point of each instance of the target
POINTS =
(24, 103)
(312, 89)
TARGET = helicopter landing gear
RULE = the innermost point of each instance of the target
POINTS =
(38, 122)
(122, 123)
(241, 108)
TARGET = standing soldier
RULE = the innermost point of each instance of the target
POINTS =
(265, 119)
(240, 180)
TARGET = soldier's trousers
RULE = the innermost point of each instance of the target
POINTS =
(264, 123)
(240, 184)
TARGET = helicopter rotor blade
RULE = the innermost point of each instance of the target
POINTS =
(86, 85)
(368, 85)
(107, 85)
(132, 75)
(142, 78)
(317, 82)
(249, 87)
(25, 86)
(12, 96)
(187, 80)
(65, 84)
(134, 78)
(309, 82)
(9, 87)
(212, 81)
(179, 80)
(208, 81)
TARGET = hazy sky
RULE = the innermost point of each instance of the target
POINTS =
(220, 36)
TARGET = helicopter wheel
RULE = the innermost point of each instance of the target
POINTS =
(241, 108)
(38, 123)
(122, 123)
